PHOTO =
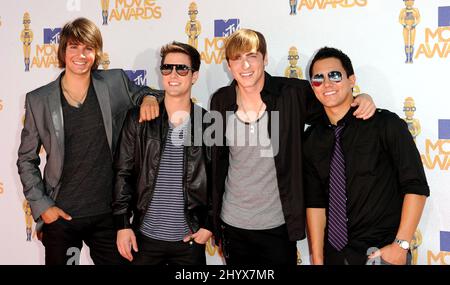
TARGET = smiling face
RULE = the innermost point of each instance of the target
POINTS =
(333, 95)
(79, 58)
(175, 84)
(248, 69)
(246, 54)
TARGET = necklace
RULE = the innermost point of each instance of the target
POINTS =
(252, 123)
(80, 102)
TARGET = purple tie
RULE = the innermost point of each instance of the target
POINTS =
(337, 205)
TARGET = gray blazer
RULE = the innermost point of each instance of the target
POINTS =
(44, 125)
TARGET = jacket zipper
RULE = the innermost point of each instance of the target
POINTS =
(191, 231)
(163, 146)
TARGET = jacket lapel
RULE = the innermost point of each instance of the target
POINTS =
(101, 89)
(54, 103)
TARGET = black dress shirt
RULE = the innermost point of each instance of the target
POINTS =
(382, 165)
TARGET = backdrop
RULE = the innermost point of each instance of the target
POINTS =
(400, 55)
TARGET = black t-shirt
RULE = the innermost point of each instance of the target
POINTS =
(87, 177)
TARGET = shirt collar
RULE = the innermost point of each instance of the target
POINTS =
(269, 90)
(270, 86)
(346, 120)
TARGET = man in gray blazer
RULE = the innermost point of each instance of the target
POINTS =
(77, 119)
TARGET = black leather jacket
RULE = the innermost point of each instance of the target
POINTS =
(136, 169)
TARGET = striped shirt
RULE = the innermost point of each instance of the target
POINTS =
(165, 219)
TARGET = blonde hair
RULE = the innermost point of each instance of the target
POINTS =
(84, 31)
(243, 41)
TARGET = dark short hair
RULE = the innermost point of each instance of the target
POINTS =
(329, 52)
(84, 31)
(177, 47)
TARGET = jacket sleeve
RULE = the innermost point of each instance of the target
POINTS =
(311, 110)
(137, 93)
(208, 163)
(214, 179)
(28, 165)
(125, 173)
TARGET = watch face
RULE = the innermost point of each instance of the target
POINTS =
(404, 245)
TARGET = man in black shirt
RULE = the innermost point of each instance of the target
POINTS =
(257, 183)
(364, 180)
(77, 119)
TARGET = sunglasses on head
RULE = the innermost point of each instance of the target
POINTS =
(181, 69)
(333, 76)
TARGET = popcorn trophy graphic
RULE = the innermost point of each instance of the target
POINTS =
(356, 90)
(409, 107)
(105, 60)
(415, 243)
(193, 27)
(105, 7)
(409, 18)
(293, 5)
(293, 71)
(26, 37)
(28, 219)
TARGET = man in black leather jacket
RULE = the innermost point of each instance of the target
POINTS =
(161, 173)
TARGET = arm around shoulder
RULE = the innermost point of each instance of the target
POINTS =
(137, 92)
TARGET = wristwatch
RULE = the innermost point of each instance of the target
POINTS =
(402, 243)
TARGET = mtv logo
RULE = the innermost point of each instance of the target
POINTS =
(445, 241)
(138, 76)
(444, 129)
(444, 16)
(51, 36)
(224, 28)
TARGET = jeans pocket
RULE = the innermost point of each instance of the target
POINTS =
(55, 222)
